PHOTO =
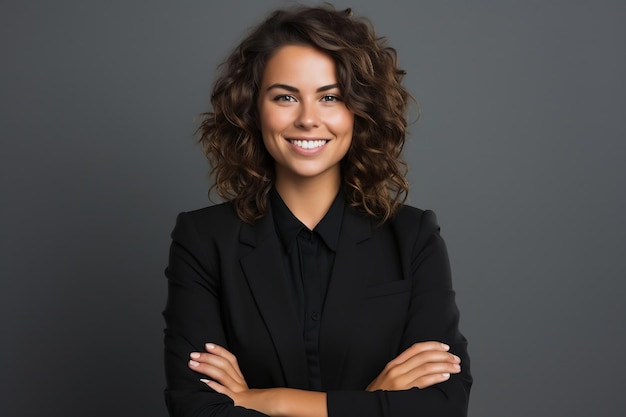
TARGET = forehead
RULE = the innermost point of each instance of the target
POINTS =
(301, 65)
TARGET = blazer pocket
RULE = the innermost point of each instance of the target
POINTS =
(388, 288)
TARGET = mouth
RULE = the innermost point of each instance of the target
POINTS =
(308, 143)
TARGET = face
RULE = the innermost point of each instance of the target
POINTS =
(306, 126)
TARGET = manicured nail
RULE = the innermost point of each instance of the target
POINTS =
(446, 375)
(193, 363)
(209, 346)
(206, 381)
(194, 355)
(445, 347)
(456, 358)
(457, 366)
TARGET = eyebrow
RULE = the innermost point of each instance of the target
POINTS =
(295, 90)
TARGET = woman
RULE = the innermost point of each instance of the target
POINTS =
(313, 290)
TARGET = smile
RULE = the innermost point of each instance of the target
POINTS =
(308, 144)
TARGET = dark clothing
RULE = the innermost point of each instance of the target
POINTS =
(308, 258)
(389, 288)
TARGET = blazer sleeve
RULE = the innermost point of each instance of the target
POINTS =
(192, 316)
(432, 315)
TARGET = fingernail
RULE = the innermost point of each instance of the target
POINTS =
(445, 347)
(446, 375)
(456, 358)
(457, 366)
(206, 381)
(209, 346)
(193, 363)
(194, 355)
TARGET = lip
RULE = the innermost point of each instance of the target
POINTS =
(306, 151)
(306, 138)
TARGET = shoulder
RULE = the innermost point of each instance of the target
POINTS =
(411, 218)
(421, 246)
(215, 221)
(217, 214)
(415, 228)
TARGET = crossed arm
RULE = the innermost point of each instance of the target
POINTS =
(194, 308)
(420, 366)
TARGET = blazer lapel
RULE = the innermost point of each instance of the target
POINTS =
(343, 296)
(263, 269)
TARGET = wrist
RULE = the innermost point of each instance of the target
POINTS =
(266, 401)
(294, 402)
(277, 401)
(286, 402)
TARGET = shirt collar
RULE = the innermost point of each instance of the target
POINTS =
(288, 226)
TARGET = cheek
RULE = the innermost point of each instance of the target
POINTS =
(343, 122)
(268, 140)
(274, 121)
(269, 134)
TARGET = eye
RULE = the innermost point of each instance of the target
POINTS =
(329, 98)
(284, 97)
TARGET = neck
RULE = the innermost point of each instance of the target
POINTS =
(308, 200)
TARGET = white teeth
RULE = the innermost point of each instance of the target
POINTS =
(308, 144)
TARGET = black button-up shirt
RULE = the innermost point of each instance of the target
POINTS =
(308, 260)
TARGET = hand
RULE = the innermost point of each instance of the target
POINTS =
(226, 378)
(221, 366)
(421, 365)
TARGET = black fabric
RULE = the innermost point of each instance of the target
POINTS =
(390, 287)
(308, 258)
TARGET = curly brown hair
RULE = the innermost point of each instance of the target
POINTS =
(373, 171)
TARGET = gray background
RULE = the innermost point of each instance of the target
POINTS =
(520, 150)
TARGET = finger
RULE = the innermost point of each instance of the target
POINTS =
(420, 359)
(220, 362)
(426, 375)
(217, 375)
(430, 380)
(430, 356)
(418, 348)
(404, 375)
(224, 353)
(218, 369)
(221, 352)
(210, 359)
(429, 371)
(217, 387)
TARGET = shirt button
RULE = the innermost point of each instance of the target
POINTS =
(315, 316)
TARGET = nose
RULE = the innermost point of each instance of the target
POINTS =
(308, 117)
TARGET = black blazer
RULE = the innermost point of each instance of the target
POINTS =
(390, 287)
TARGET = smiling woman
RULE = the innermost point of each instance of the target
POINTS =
(306, 127)
(366, 71)
(313, 290)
